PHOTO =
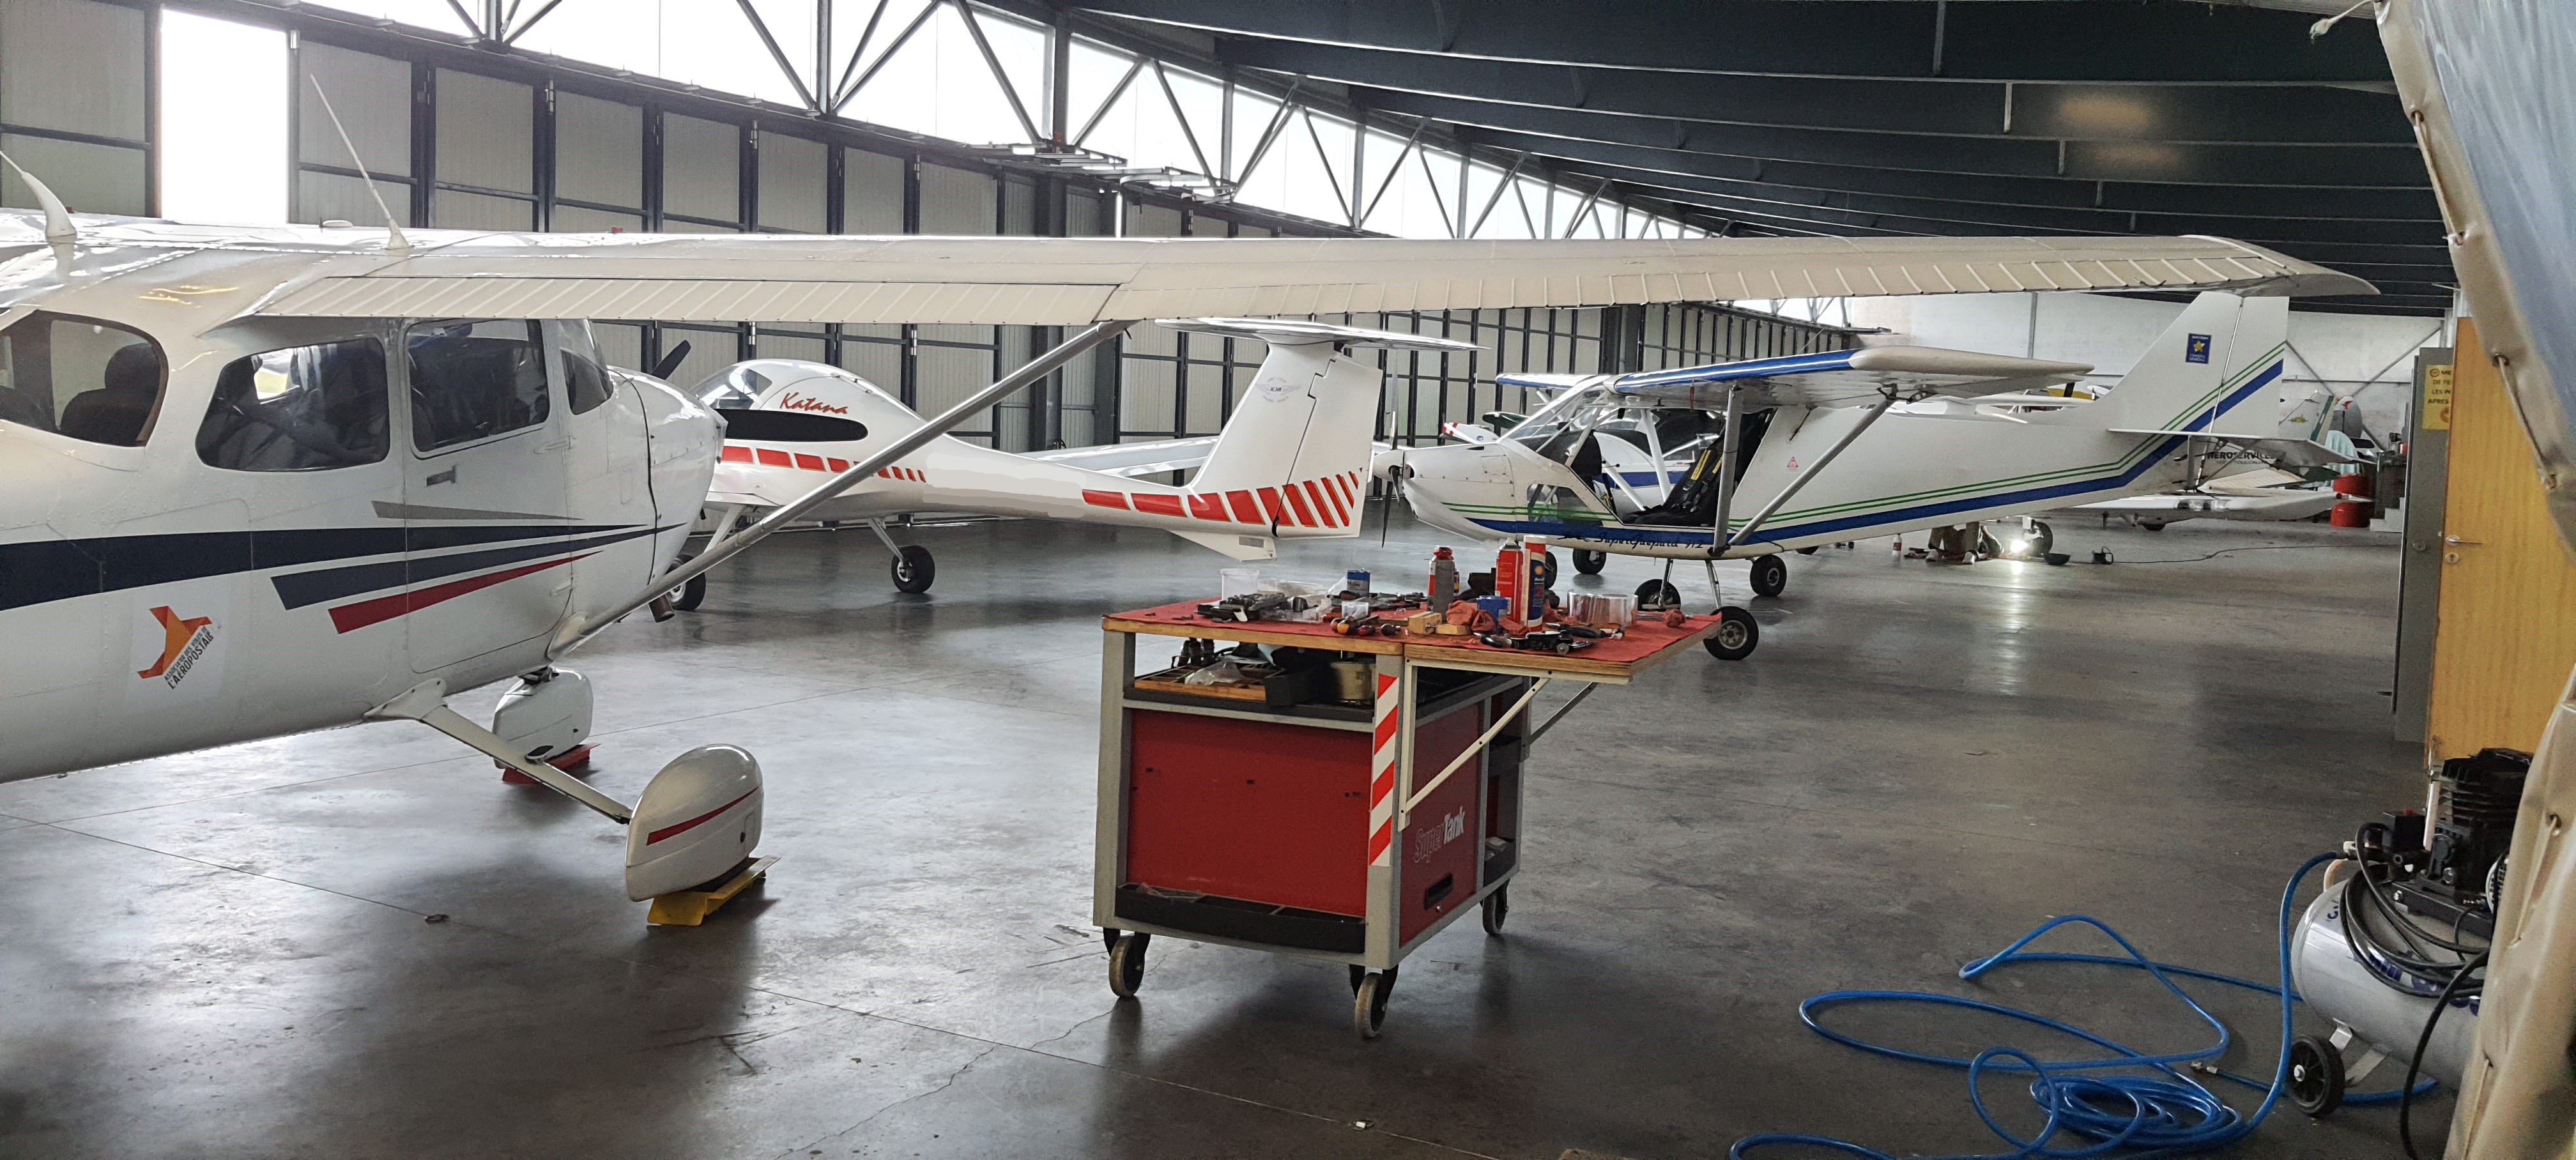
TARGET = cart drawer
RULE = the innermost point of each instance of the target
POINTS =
(1258, 811)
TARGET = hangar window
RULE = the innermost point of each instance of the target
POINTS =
(474, 380)
(305, 408)
(91, 380)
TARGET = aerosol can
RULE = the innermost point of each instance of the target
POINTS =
(1511, 577)
(1443, 586)
(1533, 608)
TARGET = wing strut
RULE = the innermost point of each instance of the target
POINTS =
(577, 632)
(1726, 453)
(1768, 509)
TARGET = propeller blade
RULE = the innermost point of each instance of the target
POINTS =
(671, 361)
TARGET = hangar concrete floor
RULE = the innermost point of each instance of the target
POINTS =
(226, 954)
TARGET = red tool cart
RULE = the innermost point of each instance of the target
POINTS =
(1345, 832)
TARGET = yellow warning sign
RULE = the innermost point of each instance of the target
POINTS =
(2437, 397)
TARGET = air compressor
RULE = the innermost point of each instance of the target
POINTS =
(2401, 932)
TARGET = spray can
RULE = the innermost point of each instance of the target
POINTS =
(1511, 576)
(1536, 560)
(1443, 588)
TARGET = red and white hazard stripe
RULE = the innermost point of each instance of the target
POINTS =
(1326, 502)
(1382, 784)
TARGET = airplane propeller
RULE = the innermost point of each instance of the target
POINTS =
(671, 361)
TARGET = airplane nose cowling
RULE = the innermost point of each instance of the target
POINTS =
(698, 819)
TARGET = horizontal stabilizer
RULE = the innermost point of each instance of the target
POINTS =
(1132, 460)
(1847, 378)
(1237, 547)
(2286, 452)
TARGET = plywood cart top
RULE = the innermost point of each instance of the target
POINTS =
(1611, 662)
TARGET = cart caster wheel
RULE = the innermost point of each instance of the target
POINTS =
(2316, 1076)
(914, 569)
(1589, 562)
(688, 596)
(1127, 964)
(1368, 1004)
(1735, 636)
(1770, 575)
(1658, 594)
(1497, 906)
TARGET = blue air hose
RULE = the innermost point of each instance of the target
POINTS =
(2164, 1113)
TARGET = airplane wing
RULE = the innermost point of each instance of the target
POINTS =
(1132, 460)
(1078, 281)
(1847, 378)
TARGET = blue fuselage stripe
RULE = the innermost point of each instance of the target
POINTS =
(1558, 529)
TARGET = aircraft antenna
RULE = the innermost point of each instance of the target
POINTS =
(395, 242)
(58, 221)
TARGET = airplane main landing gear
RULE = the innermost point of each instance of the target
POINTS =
(913, 568)
(1590, 563)
(1658, 594)
(1770, 575)
(1736, 635)
(693, 593)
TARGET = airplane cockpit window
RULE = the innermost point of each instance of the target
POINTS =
(734, 389)
(474, 380)
(91, 380)
(585, 382)
(305, 408)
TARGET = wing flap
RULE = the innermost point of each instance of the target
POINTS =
(1846, 378)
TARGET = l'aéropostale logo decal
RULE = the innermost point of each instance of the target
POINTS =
(180, 639)
(184, 639)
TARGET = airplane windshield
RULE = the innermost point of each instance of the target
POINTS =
(80, 377)
(734, 389)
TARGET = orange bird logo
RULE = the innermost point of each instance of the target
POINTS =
(175, 635)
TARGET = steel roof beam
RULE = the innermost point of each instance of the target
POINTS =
(2030, 110)
(2206, 164)
(2032, 40)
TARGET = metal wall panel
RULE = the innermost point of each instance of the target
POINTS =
(809, 347)
(372, 94)
(583, 220)
(72, 65)
(957, 201)
(947, 375)
(621, 344)
(89, 178)
(701, 169)
(710, 351)
(880, 363)
(486, 132)
(322, 197)
(795, 176)
(1019, 206)
(599, 151)
(455, 209)
(871, 193)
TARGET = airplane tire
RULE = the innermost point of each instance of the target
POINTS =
(1770, 575)
(1658, 593)
(1590, 563)
(1736, 635)
(688, 596)
(914, 569)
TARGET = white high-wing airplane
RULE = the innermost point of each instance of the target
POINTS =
(261, 480)
(1784, 421)
(1292, 462)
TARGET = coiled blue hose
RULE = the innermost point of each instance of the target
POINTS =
(2166, 1112)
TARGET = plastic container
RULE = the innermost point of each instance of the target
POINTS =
(1237, 582)
(1355, 610)
(1603, 609)
(1356, 580)
(2351, 513)
(1499, 606)
(2355, 484)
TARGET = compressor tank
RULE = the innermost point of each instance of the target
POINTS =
(2349, 991)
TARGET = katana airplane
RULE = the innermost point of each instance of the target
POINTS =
(1292, 462)
(1920, 452)
(261, 480)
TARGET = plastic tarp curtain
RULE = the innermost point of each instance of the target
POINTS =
(2491, 88)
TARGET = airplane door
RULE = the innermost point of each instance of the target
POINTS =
(611, 471)
(486, 492)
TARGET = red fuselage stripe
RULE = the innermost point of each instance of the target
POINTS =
(352, 617)
(694, 823)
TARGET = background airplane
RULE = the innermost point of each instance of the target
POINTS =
(1783, 421)
(1292, 462)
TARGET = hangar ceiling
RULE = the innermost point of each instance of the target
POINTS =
(1876, 117)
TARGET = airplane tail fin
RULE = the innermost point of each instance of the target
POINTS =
(1297, 448)
(2215, 371)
